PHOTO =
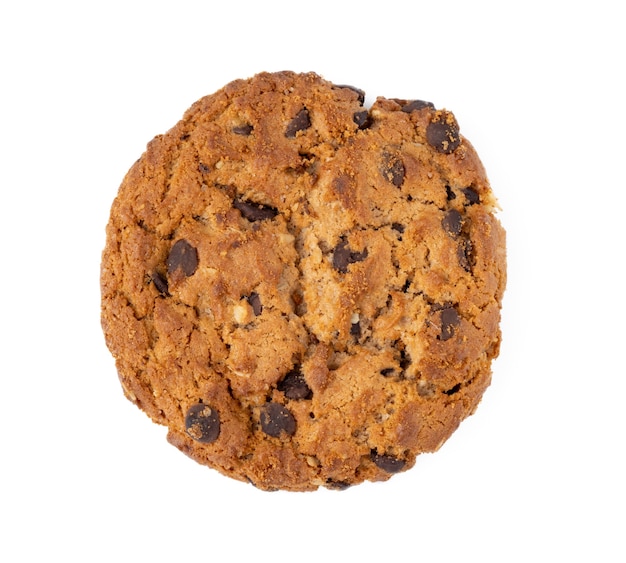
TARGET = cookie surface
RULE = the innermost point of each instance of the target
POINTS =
(304, 291)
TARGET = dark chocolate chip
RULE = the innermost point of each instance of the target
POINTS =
(450, 195)
(343, 257)
(363, 119)
(453, 390)
(360, 93)
(160, 282)
(183, 256)
(337, 485)
(465, 253)
(276, 419)
(452, 223)
(388, 463)
(300, 122)
(244, 130)
(443, 134)
(294, 386)
(399, 228)
(202, 423)
(255, 302)
(255, 211)
(203, 168)
(392, 169)
(355, 330)
(386, 372)
(450, 320)
(417, 105)
(405, 359)
(471, 195)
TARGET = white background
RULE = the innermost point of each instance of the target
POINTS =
(536, 475)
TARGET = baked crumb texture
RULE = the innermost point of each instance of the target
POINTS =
(304, 291)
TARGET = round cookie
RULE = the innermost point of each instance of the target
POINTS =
(306, 292)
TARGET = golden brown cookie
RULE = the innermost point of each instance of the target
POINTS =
(304, 291)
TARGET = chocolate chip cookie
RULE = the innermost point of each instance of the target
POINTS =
(305, 291)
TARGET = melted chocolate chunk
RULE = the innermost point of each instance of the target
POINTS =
(471, 195)
(450, 320)
(343, 257)
(300, 122)
(387, 372)
(294, 386)
(416, 105)
(244, 130)
(363, 119)
(387, 463)
(360, 93)
(255, 302)
(276, 419)
(450, 195)
(452, 223)
(183, 256)
(443, 134)
(255, 211)
(392, 169)
(202, 423)
(160, 282)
